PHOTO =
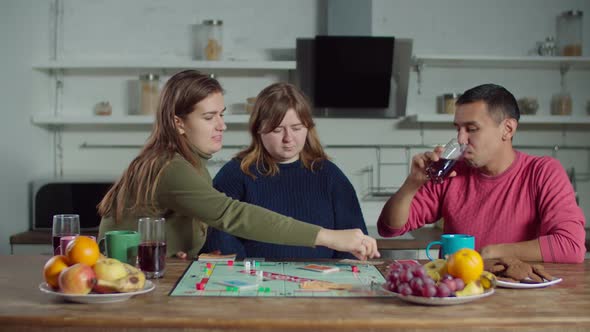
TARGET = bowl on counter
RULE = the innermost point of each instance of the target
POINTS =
(528, 105)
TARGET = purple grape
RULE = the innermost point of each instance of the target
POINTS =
(447, 276)
(404, 289)
(442, 290)
(460, 284)
(406, 276)
(390, 286)
(416, 284)
(419, 271)
(451, 283)
(394, 276)
(428, 280)
(395, 267)
(429, 291)
(407, 266)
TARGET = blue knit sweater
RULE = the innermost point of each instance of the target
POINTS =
(324, 197)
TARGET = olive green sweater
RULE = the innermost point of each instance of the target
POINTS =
(192, 204)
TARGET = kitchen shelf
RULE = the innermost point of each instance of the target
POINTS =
(484, 61)
(76, 120)
(524, 119)
(163, 64)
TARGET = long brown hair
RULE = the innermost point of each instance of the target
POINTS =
(134, 192)
(272, 103)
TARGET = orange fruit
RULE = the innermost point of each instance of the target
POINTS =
(52, 269)
(83, 250)
(466, 264)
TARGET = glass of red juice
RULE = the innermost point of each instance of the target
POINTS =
(64, 225)
(438, 170)
(151, 253)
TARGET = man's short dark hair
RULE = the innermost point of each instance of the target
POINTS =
(501, 103)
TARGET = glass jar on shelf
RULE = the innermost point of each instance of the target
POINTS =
(561, 103)
(213, 44)
(569, 33)
(149, 93)
(446, 103)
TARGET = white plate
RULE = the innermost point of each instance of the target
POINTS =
(507, 284)
(440, 300)
(97, 298)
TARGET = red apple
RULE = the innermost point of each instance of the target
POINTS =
(77, 279)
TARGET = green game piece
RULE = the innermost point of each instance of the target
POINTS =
(228, 288)
(261, 289)
(267, 290)
(235, 289)
(257, 264)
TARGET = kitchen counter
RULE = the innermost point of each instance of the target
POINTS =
(417, 241)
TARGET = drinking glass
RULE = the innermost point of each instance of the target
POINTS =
(64, 225)
(437, 171)
(151, 253)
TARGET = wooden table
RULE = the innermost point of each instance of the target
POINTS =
(562, 307)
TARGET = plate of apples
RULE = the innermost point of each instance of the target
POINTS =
(107, 281)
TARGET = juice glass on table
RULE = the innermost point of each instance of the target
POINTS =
(453, 151)
(64, 225)
(151, 253)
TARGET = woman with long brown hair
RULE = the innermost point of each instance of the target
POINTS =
(286, 170)
(169, 178)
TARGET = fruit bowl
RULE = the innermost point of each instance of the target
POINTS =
(97, 298)
(438, 301)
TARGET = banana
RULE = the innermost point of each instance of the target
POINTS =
(472, 288)
(488, 280)
(436, 269)
(133, 281)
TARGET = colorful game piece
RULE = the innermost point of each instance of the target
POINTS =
(261, 289)
(267, 289)
(209, 265)
(256, 264)
(230, 263)
(247, 265)
(200, 286)
(355, 268)
(204, 280)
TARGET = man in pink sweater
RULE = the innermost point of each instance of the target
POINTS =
(513, 203)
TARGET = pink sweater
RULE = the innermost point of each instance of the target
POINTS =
(532, 199)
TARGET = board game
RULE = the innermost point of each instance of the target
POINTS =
(280, 279)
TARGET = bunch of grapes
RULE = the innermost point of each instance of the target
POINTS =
(406, 279)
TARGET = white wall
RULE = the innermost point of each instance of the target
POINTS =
(142, 29)
(25, 150)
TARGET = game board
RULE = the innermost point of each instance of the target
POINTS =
(280, 279)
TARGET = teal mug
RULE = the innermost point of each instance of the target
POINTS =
(122, 245)
(450, 243)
